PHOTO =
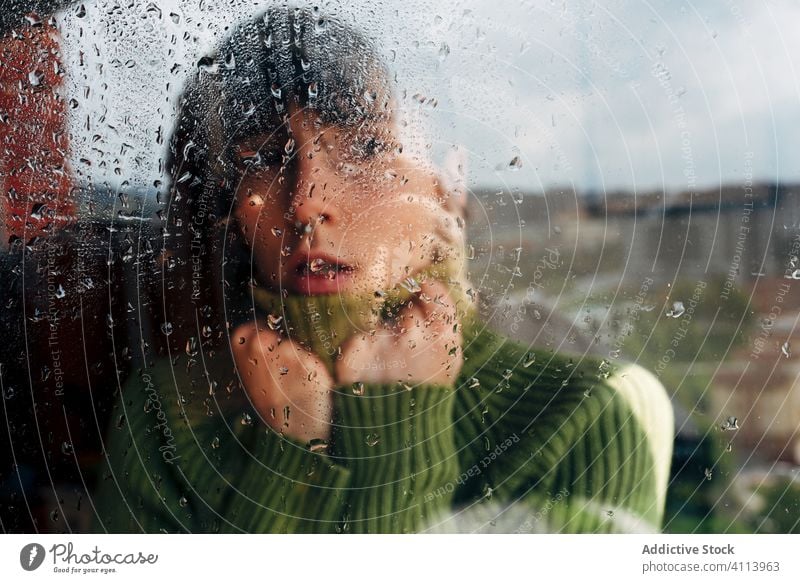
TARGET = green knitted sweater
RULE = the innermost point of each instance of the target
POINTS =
(524, 442)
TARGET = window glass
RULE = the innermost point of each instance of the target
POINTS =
(194, 187)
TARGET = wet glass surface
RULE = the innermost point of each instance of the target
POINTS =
(269, 203)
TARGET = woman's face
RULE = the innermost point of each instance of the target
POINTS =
(348, 211)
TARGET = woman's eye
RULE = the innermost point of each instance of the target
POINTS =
(249, 159)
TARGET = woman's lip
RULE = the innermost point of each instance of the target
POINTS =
(311, 273)
(321, 283)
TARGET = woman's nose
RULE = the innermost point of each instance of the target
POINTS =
(314, 201)
(312, 209)
(317, 193)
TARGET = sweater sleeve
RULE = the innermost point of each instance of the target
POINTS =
(555, 445)
(171, 468)
(399, 446)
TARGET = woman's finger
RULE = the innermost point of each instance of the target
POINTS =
(453, 181)
(288, 386)
(436, 303)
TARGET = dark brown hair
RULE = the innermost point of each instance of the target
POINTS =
(285, 56)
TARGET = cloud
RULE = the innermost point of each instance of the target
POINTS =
(569, 88)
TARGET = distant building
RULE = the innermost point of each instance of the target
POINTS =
(748, 236)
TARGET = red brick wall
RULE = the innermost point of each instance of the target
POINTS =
(34, 172)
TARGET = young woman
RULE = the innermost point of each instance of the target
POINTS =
(324, 367)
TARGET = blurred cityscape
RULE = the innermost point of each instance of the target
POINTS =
(701, 289)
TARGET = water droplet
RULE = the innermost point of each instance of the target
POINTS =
(411, 285)
(277, 232)
(677, 310)
(153, 9)
(166, 328)
(215, 443)
(530, 358)
(358, 389)
(786, 349)
(183, 502)
(317, 445)
(474, 383)
(246, 419)
(372, 439)
(708, 473)
(191, 346)
(208, 66)
(730, 424)
(274, 322)
(444, 51)
(515, 164)
(66, 448)
(120, 421)
(35, 78)
(317, 265)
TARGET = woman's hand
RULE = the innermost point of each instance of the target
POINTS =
(423, 346)
(289, 386)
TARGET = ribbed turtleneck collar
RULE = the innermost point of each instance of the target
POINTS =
(322, 323)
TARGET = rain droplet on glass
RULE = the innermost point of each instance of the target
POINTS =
(677, 310)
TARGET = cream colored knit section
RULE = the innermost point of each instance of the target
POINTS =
(652, 407)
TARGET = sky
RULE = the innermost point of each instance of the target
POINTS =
(538, 94)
